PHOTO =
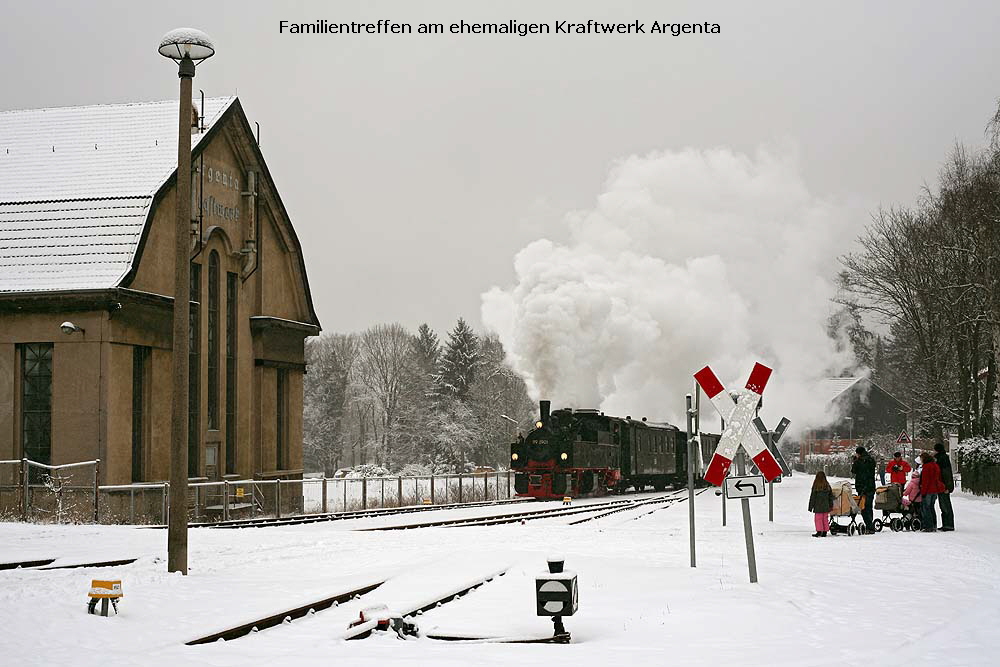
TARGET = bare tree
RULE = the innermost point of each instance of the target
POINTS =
(383, 366)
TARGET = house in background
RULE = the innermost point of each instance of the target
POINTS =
(87, 237)
(863, 409)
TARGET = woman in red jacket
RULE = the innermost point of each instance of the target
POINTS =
(930, 486)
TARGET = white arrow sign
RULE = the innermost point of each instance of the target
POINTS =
(749, 486)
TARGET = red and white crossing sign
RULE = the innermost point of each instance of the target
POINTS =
(738, 413)
(904, 439)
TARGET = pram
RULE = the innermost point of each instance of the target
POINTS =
(889, 499)
(846, 505)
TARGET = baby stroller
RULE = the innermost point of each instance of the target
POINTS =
(895, 513)
(846, 505)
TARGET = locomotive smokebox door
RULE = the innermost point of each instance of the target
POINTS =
(556, 592)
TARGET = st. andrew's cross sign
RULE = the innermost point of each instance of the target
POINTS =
(738, 412)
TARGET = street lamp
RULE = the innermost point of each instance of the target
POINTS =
(186, 46)
(512, 421)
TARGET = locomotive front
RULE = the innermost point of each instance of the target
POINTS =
(540, 460)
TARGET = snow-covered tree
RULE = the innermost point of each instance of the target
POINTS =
(460, 361)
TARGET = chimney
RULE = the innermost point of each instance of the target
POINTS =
(543, 411)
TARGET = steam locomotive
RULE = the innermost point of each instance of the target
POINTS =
(585, 452)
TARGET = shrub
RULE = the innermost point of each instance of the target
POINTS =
(978, 459)
(836, 465)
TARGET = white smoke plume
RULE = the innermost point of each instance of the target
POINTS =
(688, 258)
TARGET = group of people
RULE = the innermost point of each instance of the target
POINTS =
(932, 483)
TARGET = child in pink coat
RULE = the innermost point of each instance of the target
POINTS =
(911, 494)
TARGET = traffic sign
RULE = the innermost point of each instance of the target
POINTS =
(748, 486)
(773, 442)
(738, 412)
(904, 439)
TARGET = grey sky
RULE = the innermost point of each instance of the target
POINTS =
(415, 167)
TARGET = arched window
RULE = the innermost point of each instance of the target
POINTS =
(213, 340)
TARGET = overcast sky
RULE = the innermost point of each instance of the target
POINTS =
(416, 167)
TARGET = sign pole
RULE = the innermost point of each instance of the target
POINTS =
(722, 429)
(770, 485)
(690, 452)
(747, 525)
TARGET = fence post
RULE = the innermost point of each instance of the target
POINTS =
(324, 494)
(364, 493)
(432, 488)
(131, 506)
(164, 501)
(24, 489)
(225, 500)
(399, 493)
(486, 487)
(460, 488)
(97, 492)
(277, 498)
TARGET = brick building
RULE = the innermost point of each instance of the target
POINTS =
(86, 237)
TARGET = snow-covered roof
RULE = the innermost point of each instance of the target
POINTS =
(76, 184)
(834, 387)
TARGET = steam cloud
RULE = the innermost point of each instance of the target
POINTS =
(689, 258)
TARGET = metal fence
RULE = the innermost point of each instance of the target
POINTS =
(58, 495)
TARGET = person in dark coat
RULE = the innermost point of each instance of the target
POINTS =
(821, 503)
(948, 479)
(931, 487)
(863, 470)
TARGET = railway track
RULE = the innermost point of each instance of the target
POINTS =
(531, 515)
(670, 499)
(357, 632)
(355, 514)
(679, 500)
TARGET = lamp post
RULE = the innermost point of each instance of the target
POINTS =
(186, 46)
(512, 421)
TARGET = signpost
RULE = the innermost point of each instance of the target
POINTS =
(690, 457)
(739, 440)
(904, 439)
(772, 437)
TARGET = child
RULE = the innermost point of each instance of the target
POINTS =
(911, 494)
(820, 503)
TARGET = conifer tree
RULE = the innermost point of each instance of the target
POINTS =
(460, 360)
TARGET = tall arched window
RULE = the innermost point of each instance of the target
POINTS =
(213, 340)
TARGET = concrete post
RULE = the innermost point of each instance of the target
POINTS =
(177, 538)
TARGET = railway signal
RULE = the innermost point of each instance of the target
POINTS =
(738, 412)
(556, 595)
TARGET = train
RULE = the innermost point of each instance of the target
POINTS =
(579, 453)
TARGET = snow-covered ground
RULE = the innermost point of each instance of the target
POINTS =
(886, 599)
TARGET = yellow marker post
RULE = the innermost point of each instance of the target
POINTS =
(567, 500)
(104, 591)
